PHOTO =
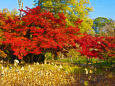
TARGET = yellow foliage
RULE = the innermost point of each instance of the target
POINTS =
(73, 9)
(6, 12)
(3, 54)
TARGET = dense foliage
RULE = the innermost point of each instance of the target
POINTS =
(37, 32)
(73, 9)
(97, 46)
(99, 23)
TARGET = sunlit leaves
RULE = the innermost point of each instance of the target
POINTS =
(100, 47)
(38, 31)
(73, 9)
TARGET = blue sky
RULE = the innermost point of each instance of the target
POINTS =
(102, 8)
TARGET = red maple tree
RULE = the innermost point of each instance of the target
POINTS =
(37, 32)
(97, 47)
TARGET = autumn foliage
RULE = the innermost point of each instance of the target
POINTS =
(39, 31)
(98, 47)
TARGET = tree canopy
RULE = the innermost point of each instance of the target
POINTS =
(99, 22)
(73, 9)
(30, 35)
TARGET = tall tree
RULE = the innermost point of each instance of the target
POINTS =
(38, 32)
(73, 9)
(100, 22)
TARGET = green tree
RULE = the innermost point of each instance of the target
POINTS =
(99, 23)
(73, 9)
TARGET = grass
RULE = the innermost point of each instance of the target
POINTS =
(34, 75)
(52, 74)
(81, 60)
